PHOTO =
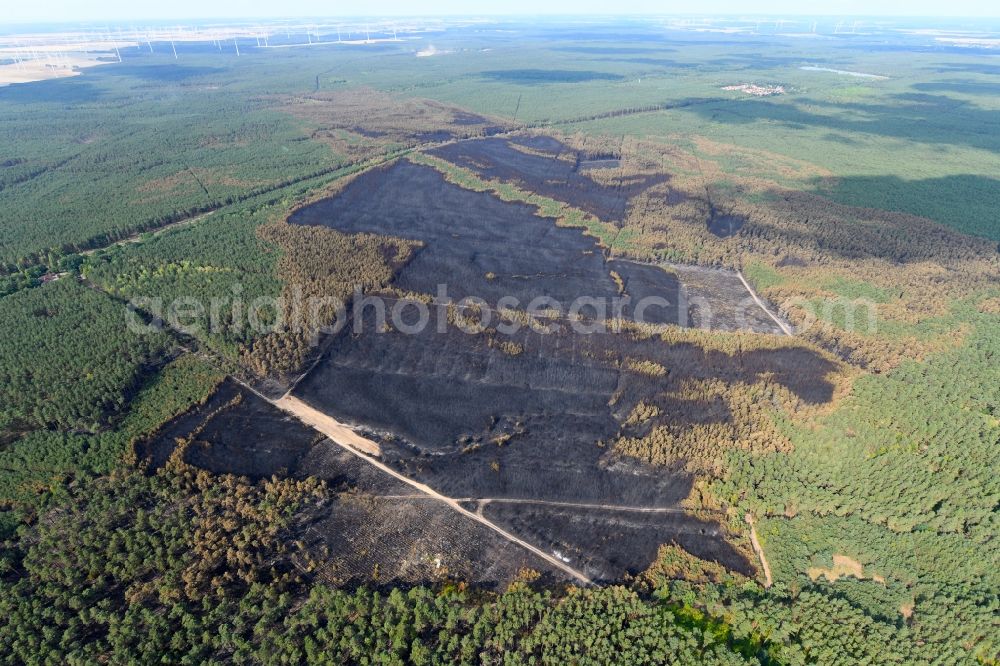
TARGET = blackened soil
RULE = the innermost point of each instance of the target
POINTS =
(542, 143)
(234, 432)
(465, 119)
(591, 539)
(388, 539)
(527, 415)
(495, 158)
(475, 421)
(716, 299)
(475, 243)
(724, 226)
(376, 529)
(605, 163)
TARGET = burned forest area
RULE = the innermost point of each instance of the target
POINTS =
(645, 340)
(536, 430)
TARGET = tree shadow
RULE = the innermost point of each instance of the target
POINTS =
(55, 91)
(656, 62)
(967, 68)
(166, 73)
(917, 117)
(758, 60)
(612, 50)
(535, 77)
(967, 203)
(964, 87)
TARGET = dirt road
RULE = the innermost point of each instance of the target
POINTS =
(784, 327)
(569, 505)
(577, 505)
(364, 448)
(330, 427)
(757, 548)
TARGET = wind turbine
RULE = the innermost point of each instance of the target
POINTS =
(237, 45)
(174, 48)
(18, 54)
(59, 56)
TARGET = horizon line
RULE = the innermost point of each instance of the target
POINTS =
(504, 16)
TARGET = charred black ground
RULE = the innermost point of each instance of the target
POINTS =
(530, 416)
(725, 226)
(478, 245)
(381, 529)
(560, 176)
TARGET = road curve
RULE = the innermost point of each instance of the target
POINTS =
(362, 447)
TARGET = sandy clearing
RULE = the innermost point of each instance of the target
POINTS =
(361, 447)
(327, 425)
(843, 566)
(844, 72)
(40, 70)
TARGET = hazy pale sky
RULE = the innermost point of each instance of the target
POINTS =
(123, 10)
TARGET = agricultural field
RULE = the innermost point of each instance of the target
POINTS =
(654, 342)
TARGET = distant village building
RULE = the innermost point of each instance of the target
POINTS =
(757, 90)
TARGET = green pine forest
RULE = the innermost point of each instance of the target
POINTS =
(151, 179)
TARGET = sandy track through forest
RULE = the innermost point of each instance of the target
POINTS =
(361, 447)
(344, 437)
(330, 427)
(784, 327)
(365, 449)
(768, 581)
(137, 236)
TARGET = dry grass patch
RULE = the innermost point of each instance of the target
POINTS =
(844, 566)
